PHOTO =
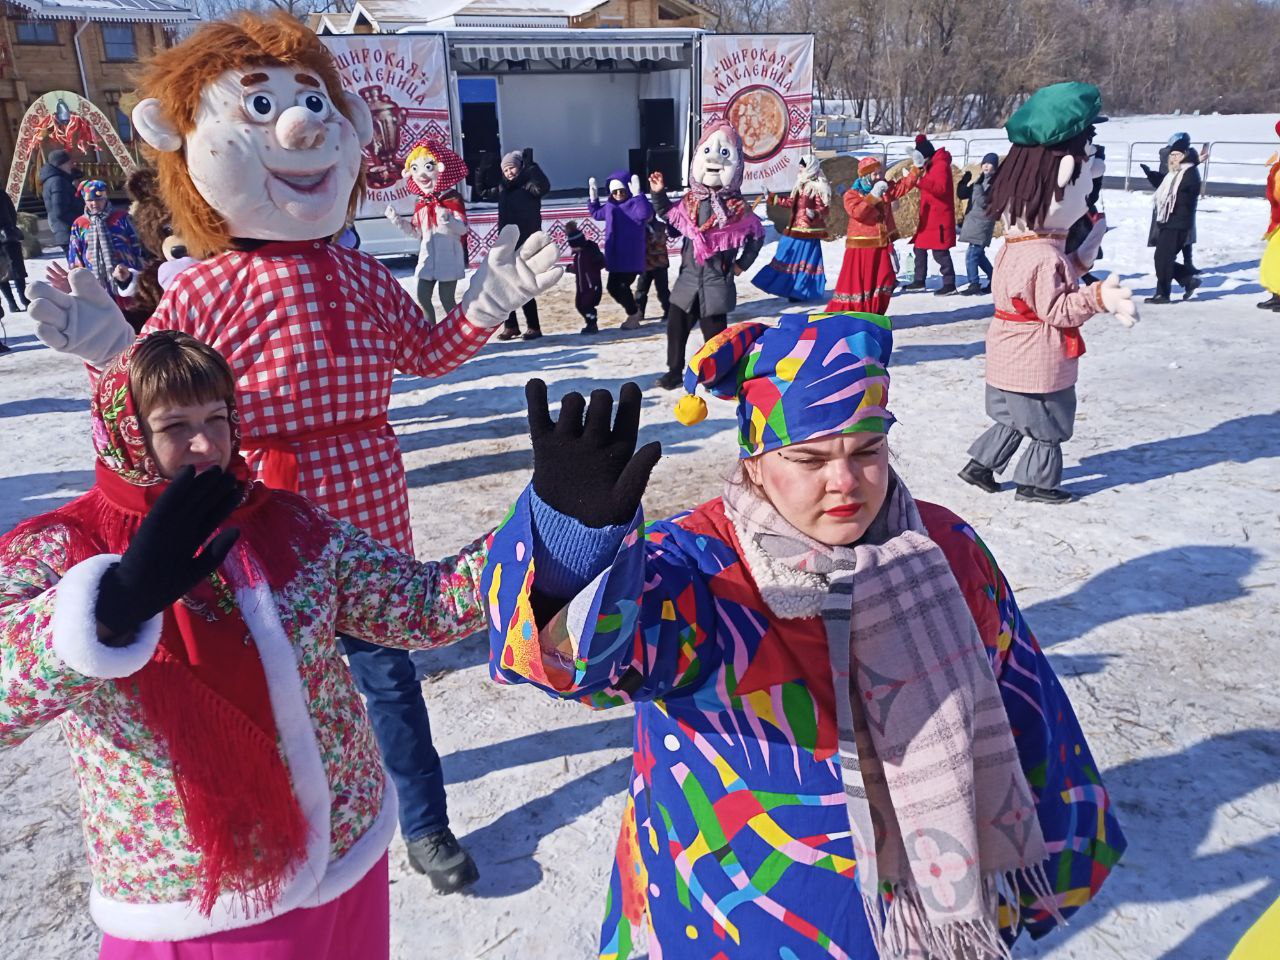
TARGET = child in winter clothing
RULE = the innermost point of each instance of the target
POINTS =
(837, 700)
(181, 628)
(978, 227)
(657, 262)
(626, 214)
(104, 242)
(587, 263)
(432, 171)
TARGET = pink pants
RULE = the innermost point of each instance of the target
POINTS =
(355, 926)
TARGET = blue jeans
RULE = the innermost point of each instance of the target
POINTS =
(975, 257)
(389, 682)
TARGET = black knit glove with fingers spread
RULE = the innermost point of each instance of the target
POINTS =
(590, 469)
(164, 560)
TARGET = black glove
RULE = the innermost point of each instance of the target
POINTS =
(527, 153)
(161, 563)
(1145, 168)
(964, 180)
(587, 470)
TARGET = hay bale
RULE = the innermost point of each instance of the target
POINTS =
(841, 171)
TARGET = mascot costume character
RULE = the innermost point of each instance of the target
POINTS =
(1034, 343)
(258, 152)
(722, 238)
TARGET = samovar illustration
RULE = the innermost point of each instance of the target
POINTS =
(384, 163)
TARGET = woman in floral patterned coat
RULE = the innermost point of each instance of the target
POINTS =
(234, 801)
(847, 742)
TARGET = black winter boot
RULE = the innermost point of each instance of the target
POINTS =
(982, 477)
(1042, 495)
(445, 862)
(1272, 304)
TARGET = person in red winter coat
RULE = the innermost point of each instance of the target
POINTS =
(937, 225)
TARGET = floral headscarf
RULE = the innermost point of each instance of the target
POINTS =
(118, 437)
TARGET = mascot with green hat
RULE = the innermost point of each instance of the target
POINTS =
(1034, 342)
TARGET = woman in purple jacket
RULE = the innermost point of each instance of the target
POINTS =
(625, 214)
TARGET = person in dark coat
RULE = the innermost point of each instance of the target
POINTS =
(11, 245)
(519, 197)
(1177, 194)
(978, 227)
(1179, 141)
(588, 262)
(624, 214)
(58, 188)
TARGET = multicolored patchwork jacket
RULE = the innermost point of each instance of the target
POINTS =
(126, 248)
(735, 840)
(140, 851)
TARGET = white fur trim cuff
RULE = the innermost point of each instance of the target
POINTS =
(75, 626)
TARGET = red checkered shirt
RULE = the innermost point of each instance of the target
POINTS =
(314, 333)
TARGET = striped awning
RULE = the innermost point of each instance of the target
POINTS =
(481, 53)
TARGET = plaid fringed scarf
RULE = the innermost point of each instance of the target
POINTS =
(98, 248)
(944, 823)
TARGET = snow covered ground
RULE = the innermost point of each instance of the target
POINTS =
(1156, 593)
(1244, 142)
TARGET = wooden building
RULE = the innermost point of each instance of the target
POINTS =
(90, 48)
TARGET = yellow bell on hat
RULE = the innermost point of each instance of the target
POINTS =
(691, 409)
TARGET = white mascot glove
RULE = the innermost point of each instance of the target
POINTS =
(593, 190)
(917, 159)
(1087, 252)
(1119, 301)
(391, 214)
(509, 278)
(635, 185)
(880, 189)
(85, 323)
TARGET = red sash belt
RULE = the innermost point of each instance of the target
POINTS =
(279, 465)
(1072, 340)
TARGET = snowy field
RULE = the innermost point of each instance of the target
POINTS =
(1157, 595)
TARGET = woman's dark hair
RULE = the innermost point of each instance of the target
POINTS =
(1027, 181)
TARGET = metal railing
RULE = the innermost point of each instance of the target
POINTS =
(1268, 150)
(969, 150)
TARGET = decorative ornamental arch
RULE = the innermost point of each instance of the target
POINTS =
(70, 120)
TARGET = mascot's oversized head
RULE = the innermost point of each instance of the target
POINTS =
(254, 135)
(1045, 181)
(718, 162)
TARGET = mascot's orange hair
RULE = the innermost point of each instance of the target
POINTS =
(177, 77)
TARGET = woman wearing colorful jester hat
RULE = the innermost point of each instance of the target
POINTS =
(848, 743)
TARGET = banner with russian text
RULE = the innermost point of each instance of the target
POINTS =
(403, 79)
(763, 84)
